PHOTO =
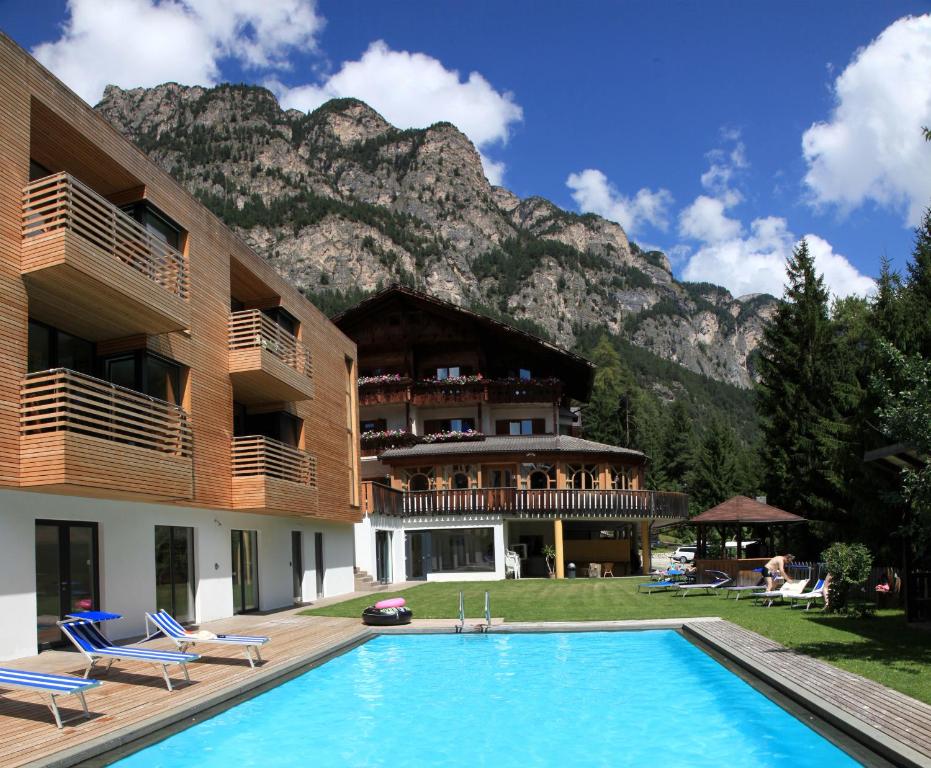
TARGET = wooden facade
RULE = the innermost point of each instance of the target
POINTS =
(72, 259)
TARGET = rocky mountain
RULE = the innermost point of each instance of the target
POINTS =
(341, 202)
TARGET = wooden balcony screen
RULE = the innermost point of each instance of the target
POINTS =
(256, 455)
(253, 329)
(523, 502)
(61, 202)
(61, 400)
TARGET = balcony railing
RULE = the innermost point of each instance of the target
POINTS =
(256, 455)
(61, 202)
(382, 499)
(253, 329)
(439, 392)
(61, 400)
(523, 502)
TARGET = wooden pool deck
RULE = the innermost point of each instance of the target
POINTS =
(133, 694)
(134, 702)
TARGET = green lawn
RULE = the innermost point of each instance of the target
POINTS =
(881, 647)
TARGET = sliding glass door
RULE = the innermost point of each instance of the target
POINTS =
(66, 574)
(174, 571)
(297, 566)
(245, 557)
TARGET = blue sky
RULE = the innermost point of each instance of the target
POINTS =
(685, 121)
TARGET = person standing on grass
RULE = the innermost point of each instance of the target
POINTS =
(776, 567)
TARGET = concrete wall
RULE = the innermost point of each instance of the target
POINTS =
(127, 559)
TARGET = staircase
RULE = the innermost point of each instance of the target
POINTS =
(365, 583)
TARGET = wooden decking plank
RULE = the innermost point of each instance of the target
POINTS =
(134, 692)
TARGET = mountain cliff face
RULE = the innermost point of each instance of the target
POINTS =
(342, 202)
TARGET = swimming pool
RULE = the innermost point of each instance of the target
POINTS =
(586, 698)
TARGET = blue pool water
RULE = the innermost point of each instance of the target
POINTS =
(572, 699)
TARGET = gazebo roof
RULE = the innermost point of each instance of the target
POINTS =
(741, 509)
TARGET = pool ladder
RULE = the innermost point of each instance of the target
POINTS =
(460, 627)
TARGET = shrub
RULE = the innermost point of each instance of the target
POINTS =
(849, 566)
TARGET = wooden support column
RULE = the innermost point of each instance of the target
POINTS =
(557, 536)
(646, 559)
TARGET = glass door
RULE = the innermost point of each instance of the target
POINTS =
(297, 566)
(174, 571)
(66, 575)
(420, 554)
(383, 556)
(245, 561)
(319, 565)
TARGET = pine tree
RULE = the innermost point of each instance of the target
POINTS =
(678, 447)
(716, 475)
(800, 396)
(917, 293)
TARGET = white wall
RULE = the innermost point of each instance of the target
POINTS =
(126, 541)
(492, 414)
(364, 535)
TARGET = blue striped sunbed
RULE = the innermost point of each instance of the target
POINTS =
(88, 640)
(170, 628)
(49, 685)
(650, 586)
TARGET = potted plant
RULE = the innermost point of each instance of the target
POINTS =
(549, 554)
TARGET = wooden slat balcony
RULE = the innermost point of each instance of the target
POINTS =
(267, 364)
(93, 270)
(443, 392)
(532, 503)
(272, 477)
(87, 436)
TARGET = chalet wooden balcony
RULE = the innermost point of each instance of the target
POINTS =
(443, 392)
(272, 477)
(93, 270)
(267, 363)
(87, 436)
(527, 503)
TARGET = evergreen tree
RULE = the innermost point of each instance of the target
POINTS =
(678, 447)
(716, 475)
(917, 293)
(801, 394)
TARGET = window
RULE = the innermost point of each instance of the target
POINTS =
(155, 222)
(51, 348)
(449, 372)
(463, 550)
(524, 374)
(373, 425)
(460, 476)
(621, 478)
(582, 476)
(278, 425)
(283, 319)
(432, 426)
(540, 476)
(174, 571)
(145, 372)
(419, 478)
(520, 426)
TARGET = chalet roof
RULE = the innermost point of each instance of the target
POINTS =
(898, 456)
(504, 444)
(741, 509)
(582, 371)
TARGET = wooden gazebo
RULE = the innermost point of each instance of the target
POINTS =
(736, 514)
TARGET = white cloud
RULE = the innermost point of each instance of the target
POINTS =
(705, 220)
(413, 90)
(872, 148)
(593, 193)
(749, 262)
(134, 43)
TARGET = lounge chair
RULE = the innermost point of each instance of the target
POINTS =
(815, 593)
(719, 580)
(651, 586)
(168, 626)
(788, 589)
(50, 685)
(95, 647)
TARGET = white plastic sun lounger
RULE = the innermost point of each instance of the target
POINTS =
(168, 626)
(720, 579)
(95, 647)
(49, 685)
(789, 589)
(816, 593)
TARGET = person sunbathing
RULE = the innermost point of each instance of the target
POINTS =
(777, 567)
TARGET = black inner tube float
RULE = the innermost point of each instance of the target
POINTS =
(394, 615)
